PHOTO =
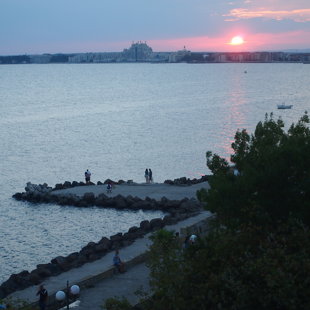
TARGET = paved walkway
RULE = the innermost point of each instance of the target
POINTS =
(142, 190)
(124, 284)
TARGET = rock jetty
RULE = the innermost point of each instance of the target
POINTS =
(175, 210)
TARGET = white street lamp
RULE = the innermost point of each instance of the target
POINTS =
(61, 295)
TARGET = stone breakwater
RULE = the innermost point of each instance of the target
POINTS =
(176, 210)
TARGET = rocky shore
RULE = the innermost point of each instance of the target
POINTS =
(175, 210)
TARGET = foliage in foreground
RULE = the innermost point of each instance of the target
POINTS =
(117, 304)
(257, 255)
(13, 304)
(249, 269)
(274, 176)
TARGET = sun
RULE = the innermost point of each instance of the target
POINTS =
(237, 40)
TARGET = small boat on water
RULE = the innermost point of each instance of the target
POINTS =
(284, 106)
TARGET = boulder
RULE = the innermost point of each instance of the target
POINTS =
(72, 257)
(170, 182)
(88, 249)
(116, 237)
(120, 202)
(190, 206)
(101, 248)
(61, 262)
(168, 220)
(156, 223)
(163, 200)
(75, 184)
(141, 205)
(105, 242)
(58, 186)
(145, 225)
(67, 184)
(89, 198)
(44, 272)
(82, 204)
(82, 259)
(63, 200)
(110, 203)
(16, 282)
(132, 236)
(102, 196)
(17, 196)
(108, 181)
(2, 292)
(34, 278)
(133, 229)
(54, 198)
(53, 268)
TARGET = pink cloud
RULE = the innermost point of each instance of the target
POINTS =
(253, 42)
(298, 15)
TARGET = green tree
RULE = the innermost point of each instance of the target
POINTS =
(166, 269)
(237, 270)
(274, 176)
(257, 255)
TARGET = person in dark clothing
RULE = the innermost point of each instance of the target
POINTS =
(118, 263)
(150, 176)
(43, 296)
(146, 175)
(87, 176)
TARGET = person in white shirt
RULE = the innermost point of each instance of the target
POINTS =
(87, 176)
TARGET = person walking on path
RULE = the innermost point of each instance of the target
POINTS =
(146, 175)
(87, 176)
(150, 176)
(43, 296)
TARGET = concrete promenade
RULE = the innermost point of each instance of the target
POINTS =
(97, 280)
(141, 190)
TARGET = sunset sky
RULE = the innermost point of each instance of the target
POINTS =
(43, 26)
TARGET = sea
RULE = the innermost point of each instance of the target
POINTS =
(57, 120)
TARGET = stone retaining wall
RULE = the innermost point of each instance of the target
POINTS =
(177, 210)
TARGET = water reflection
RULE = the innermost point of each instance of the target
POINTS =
(234, 118)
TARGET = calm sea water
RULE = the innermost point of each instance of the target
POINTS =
(116, 120)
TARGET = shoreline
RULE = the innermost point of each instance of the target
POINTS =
(181, 205)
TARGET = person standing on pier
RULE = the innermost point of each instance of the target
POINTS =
(146, 175)
(150, 176)
(87, 176)
(43, 296)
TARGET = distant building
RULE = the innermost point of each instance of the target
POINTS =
(138, 52)
(40, 59)
(141, 52)
(95, 57)
(179, 55)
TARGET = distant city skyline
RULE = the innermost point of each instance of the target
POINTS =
(74, 26)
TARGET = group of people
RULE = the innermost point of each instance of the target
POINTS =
(148, 174)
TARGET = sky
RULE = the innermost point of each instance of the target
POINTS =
(72, 26)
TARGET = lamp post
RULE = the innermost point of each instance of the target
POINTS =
(61, 295)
